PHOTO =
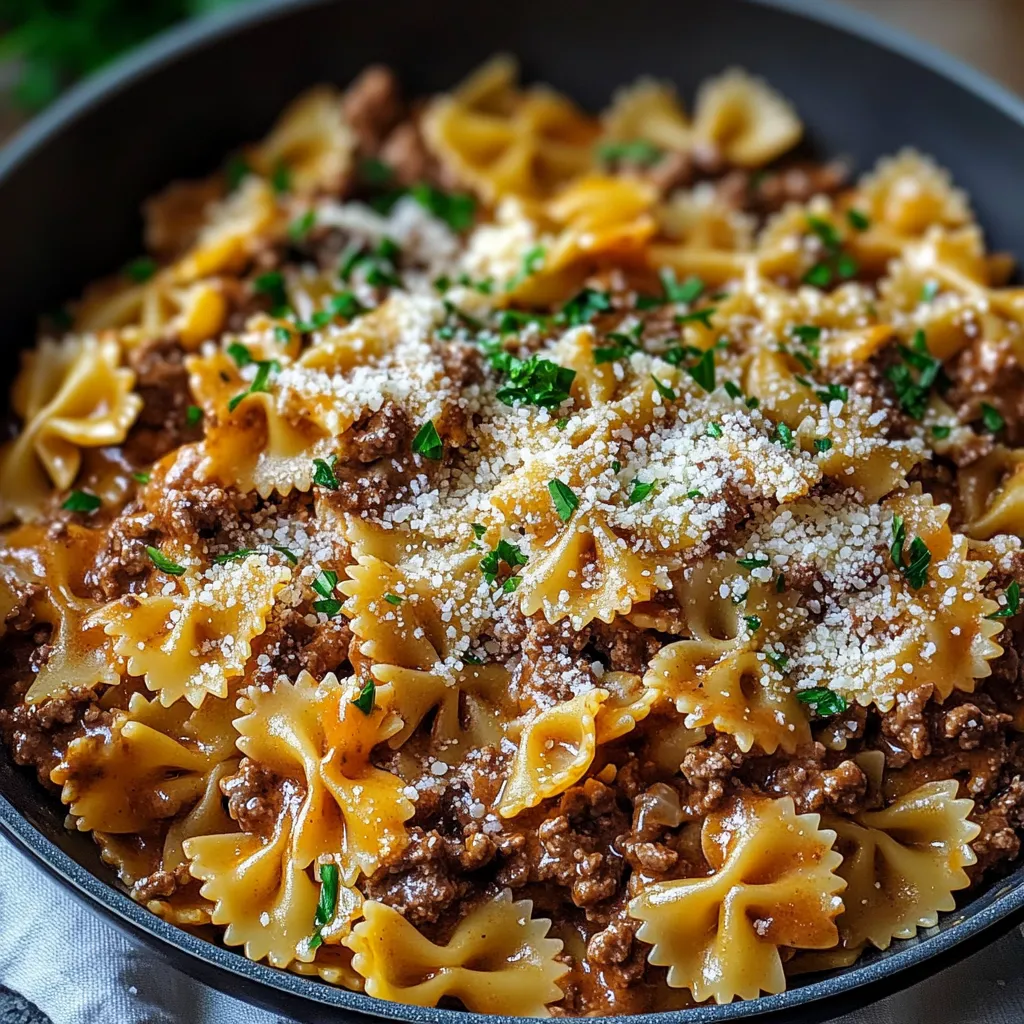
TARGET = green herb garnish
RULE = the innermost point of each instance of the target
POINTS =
(427, 442)
(564, 500)
(367, 696)
(1012, 606)
(583, 307)
(260, 383)
(141, 270)
(163, 563)
(234, 556)
(505, 552)
(637, 151)
(992, 418)
(824, 701)
(81, 501)
(533, 381)
(323, 472)
(640, 491)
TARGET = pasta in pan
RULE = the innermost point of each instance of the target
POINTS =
(490, 555)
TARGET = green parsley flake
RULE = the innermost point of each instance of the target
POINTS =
(281, 179)
(478, 530)
(753, 562)
(236, 170)
(929, 290)
(753, 622)
(81, 501)
(260, 383)
(533, 381)
(702, 316)
(456, 209)
(823, 700)
(141, 270)
(367, 696)
(533, 260)
(916, 568)
(822, 444)
(234, 556)
(142, 477)
(301, 226)
(327, 906)
(714, 430)
(664, 390)
(703, 372)
(323, 472)
(583, 307)
(637, 151)
(240, 354)
(564, 500)
(940, 432)
(511, 585)
(427, 442)
(777, 659)
(1012, 606)
(640, 491)
(992, 418)
(393, 599)
(193, 416)
(914, 377)
(782, 434)
(833, 393)
(163, 563)
(505, 552)
(376, 172)
(857, 220)
(271, 284)
(287, 552)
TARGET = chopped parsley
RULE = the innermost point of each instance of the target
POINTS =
(1012, 606)
(505, 552)
(533, 260)
(281, 179)
(271, 284)
(732, 389)
(696, 492)
(616, 465)
(533, 381)
(375, 171)
(777, 659)
(782, 434)
(825, 231)
(367, 697)
(427, 442)
(260, 383)
(703, 372)
(380, 263)
(683, 292)
(824, 701)
(625, 345)
(240, 354)
(141, 270)
(301, 226)
(563, 499)
(562, 423)
(393, 599)
(929, 290)
(193, 416)
(636, 151)
(512, 320)
(163, 563)
(287, 552)
(714, 430)
(324, 585)
(940, 432)
(819, 275)
(753, 622)
(702, 316)
(992, 418)
(456, 209)
(833, 393)
(857, 220)
(511, 585)
(327, 905)
(478, 530)
(664, 390)
(915, 569)
(914, 377)
(836, 264)
(753, 562)
(81, 501)
(641, 490)
(822, 444)
(234, 556)
(236, 170)
(323, 472)
(341, 304)
(142, 477)
(583, 307)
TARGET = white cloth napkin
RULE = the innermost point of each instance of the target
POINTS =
(79, 970)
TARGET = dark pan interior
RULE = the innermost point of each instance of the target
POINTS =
(71, 186)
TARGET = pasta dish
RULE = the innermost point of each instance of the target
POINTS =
(492, 556)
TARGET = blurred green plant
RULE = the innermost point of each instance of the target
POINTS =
(55, 42)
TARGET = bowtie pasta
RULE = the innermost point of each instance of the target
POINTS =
(544, 563)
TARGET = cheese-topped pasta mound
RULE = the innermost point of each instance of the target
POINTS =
(492, 555)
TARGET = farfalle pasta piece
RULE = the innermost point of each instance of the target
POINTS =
(902, 864)
(555, 750)
(70, 394)
(774, 883)
(992, 494)
(744, 119)
(315, 732)
(647, 111)
(311, 141)
(502, 140)
(149, 764)
(192, 642)
(498, 960)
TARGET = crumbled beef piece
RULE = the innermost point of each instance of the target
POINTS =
(423, 882)
(372, 106)
(124, 564)
(998, 840)
(161, 380)
(256, 796)
(39, 734)
(625, 647)
(327, 648)
(797, 183)
(175, 216)
(161, 884)
(988, 371)
(405, 152)
(614, 943)
(707, 769)
(969, 724)
(551, 669)
(384, 433)
(905, 727)
(573, 846)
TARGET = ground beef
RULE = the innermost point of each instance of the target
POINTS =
(988, 372)
(162, 383)
(551, 669)
(384, 433)
(706, 770)
(814, 787)
(161, 884)
(405, 152)
(39, 734)
(998, 840)
(372, 106)
(905, 728)
(256, 796)
(424, 882)
(624, 647)
(123, 564)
